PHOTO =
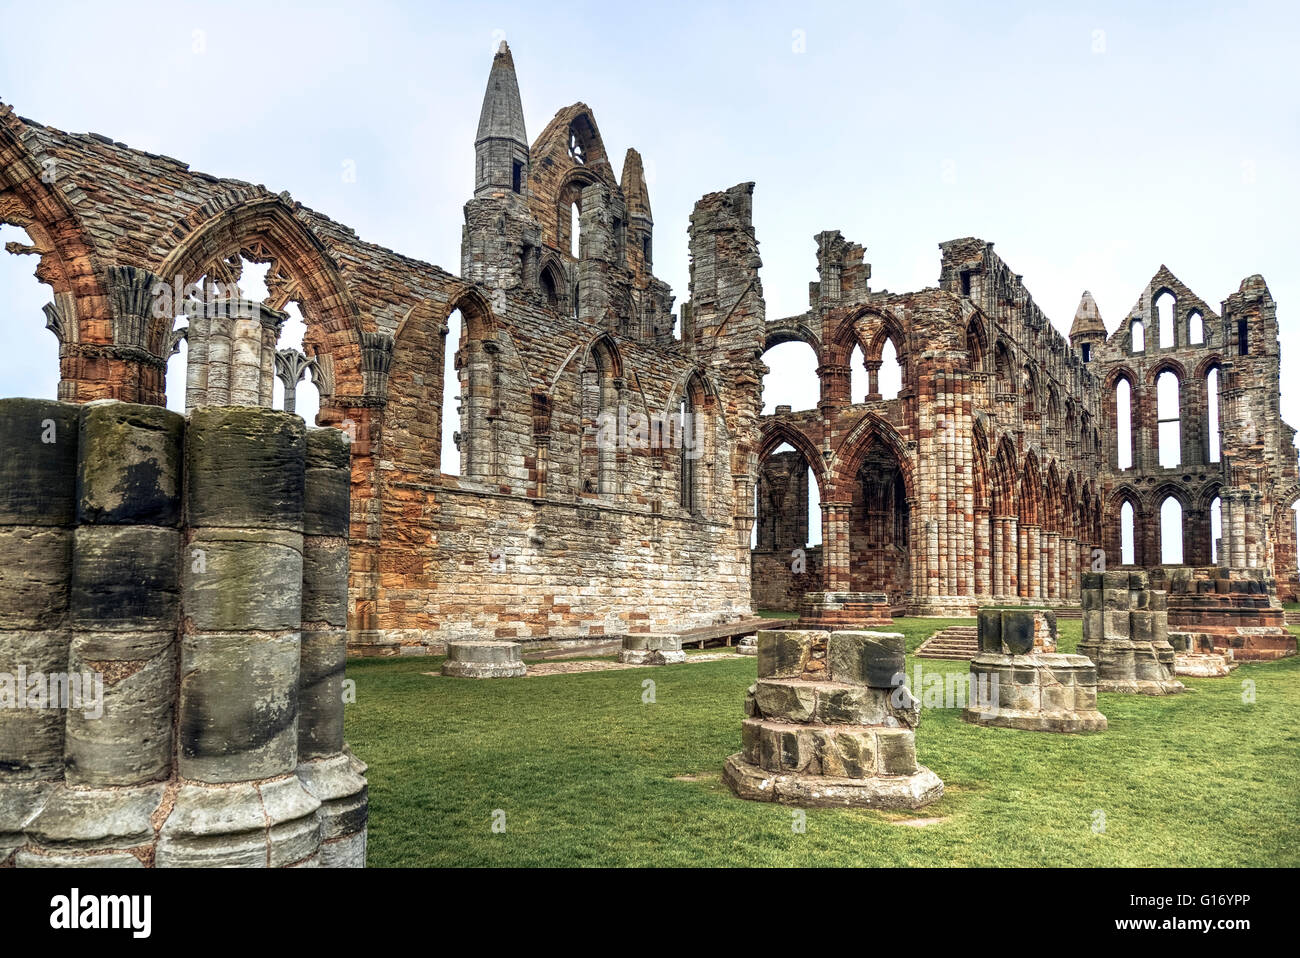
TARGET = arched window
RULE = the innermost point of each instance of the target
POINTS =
(1138, 333)
(550, 288)
(791, 379)
(890, 377)
(859, 381)
(1212, 411)
(34, 370)
(452, 413)
(1195, 328)
(1167, 422)
(1216, 529)
(1165, 314)
(575, 230)
(1171, 532)
(1006, 382)
(1127, 533)
(599, 423)
(695, 424)
(1124, 424)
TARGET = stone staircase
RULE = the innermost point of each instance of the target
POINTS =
(954, 642)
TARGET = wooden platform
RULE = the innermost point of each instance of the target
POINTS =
(728, 632)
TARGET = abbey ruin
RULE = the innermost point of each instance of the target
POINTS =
(614, 458)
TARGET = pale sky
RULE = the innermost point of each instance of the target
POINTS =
(1091, 144)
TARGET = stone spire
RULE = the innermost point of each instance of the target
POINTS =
(1087, 318)
(501, 146)
(635, 193)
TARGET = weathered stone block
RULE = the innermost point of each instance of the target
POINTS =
(244, 468)
(125, 578)
(130, 465)
(38, 471)
(875, 659)
(785, 653)
(238, 706)
(1018, 630)
(785, 700)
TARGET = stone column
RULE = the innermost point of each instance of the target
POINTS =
(38, 481)
(835, 546)
(983, 555)
(125, 592)
(219, 356)
(1051, 567)
(326, 769)
(242, 595)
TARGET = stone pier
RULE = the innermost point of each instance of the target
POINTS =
(1126, 633)
(484, 659)
(827, 611)
(661, 649)
(829, 723)
(192, 733)
(1018, 680)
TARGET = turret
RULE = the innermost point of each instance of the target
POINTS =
(501, 146)
(1088, 329)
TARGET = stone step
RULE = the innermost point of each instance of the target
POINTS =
(954, 642)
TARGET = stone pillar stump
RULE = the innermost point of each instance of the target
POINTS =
(481, 659)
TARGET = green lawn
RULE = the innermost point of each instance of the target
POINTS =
(588, 774)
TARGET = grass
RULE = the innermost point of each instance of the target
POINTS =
(588, 774)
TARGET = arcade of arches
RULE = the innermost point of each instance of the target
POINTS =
(612, 459)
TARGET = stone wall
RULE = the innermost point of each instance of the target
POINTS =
(171, 657)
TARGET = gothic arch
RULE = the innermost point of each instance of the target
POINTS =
(268, 231)
(776, 433)
(848, 456)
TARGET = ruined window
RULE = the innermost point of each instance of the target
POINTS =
(890, 376)
(1216, 529)
(791, 379)
(1242, 347)
(576, 150)
(1138, 336)
(1029, 382)
(517, 176)
(577, 301)
(575, 230)
(645, 249)
(1171, 532)
(1212, 412)
(549, 291)
(686, 427)
(1002, 369)
(814, 511)
(599, 424)
(859, 378)
(1087, 352)
(965, 282)
(1124, 424)
(35, 370)
(1167, 423)
(451, 396)
(1127, 533)
(1165, 315)
(1195, 328)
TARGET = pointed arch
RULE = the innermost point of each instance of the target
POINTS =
(869, 430)
(776, 433)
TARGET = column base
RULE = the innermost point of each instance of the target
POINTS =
(484, 660)
(820, 791)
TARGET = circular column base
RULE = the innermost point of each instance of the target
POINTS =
(484, 660)
(1141, 686)
(650, 657)
(1091, 721)
(819, 791)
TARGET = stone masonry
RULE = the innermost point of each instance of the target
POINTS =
(613, 455)
(1126, 633)
(1019, 680)
(828, 723)
(172, 643)
(994, 475)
